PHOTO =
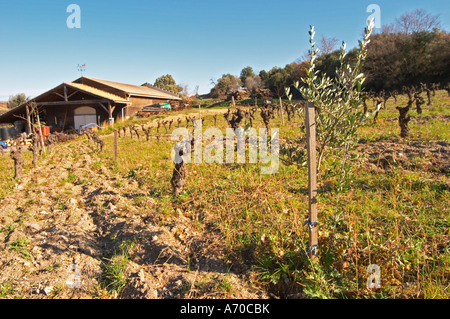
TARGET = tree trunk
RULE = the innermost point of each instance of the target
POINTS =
(281, 109)
(16, 155)
(136, 130)
(179, 172)
(35, 148)
(28, 120)
(429, 97)
(41, 136)
(403, 120)
(419, 102)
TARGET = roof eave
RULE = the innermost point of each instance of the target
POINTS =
(155, 96)
(92, 93)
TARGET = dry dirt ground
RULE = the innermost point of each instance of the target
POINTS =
(69, 213)
(432, 156)
(66, 218)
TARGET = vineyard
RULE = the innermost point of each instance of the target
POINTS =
(94, 216)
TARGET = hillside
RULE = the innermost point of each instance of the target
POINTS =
(3, 107)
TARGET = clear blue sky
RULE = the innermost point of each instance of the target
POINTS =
(136, 41)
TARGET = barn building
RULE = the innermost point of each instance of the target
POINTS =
(89, 100)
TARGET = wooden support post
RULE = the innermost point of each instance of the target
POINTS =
(41, 136)
(115, 145)
(65, 94)
(65, 118)
(110, 119)
(281, 109)
(28, 120)
(232, 100)
(312, 222)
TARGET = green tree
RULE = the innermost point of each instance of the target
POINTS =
(16, 100)
(297, 71)
(277, 81)
(263, 75)
(246, 72)
(338, 103)
(166, 82)
(225, 85)
(400, 59)
(397, 59)
(381, 66)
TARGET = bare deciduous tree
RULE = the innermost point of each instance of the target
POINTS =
(417, 20)
(328, 45)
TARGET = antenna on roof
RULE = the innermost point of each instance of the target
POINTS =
(81, 68)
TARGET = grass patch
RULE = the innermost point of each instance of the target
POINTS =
(19, 245)
(396, 218)
(8, 290)
(114, 277)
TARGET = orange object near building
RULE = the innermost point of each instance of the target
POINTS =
(45, 130)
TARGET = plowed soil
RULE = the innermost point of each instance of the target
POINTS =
(67, 214)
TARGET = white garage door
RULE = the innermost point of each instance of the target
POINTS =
(81, 120)
(84, 115)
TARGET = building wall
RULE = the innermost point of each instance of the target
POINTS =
(59, 116)
(137, 103)
(64, 116)
(56, 116)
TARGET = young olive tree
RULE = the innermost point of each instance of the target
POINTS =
(338, 102)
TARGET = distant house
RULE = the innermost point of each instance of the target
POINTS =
(86, 100)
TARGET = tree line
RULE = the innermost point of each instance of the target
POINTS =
(408, 52)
